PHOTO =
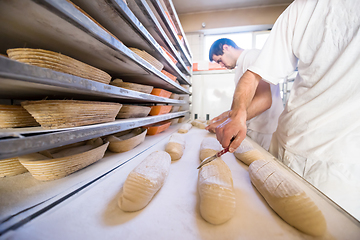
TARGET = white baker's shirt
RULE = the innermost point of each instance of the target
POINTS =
(321, 121)
(267, 121)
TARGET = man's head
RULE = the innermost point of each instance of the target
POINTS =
(225, 52)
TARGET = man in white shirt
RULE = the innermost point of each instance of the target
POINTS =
(318, 135)
(266, 106)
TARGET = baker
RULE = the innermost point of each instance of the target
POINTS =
(265, 107)
(318, 133)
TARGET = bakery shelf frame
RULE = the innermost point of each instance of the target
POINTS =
(172, 11)
(61, 27)
(143, 12)
(149, 17)
(17, 142)
(114, 13)
(23, 81)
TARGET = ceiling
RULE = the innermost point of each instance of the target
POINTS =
(191, 6)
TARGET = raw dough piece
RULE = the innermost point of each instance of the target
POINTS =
(199, 123)
(217, 197)
(185, 128)
(144, 181)
(247, 153)
(286, 198)
(209, 147)
(176, 146)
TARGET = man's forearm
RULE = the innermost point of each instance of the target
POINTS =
(261, 101)
(244, 93)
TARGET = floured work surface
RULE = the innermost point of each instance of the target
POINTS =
(174, 213)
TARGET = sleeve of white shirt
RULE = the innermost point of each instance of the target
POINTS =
(277, 60)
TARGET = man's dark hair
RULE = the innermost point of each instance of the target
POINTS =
(217, 47)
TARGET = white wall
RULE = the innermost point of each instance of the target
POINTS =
(212, 94)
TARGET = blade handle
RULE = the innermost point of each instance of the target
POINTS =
(222, 152)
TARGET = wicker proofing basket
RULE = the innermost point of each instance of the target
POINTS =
(123, 143)
(54, 114)
(11, 167)
(15, 116)
(58, 62)
(147, 57)
(132, 86)
(45, 169)
(133, 111)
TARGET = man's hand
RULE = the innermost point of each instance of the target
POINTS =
(213, 123)
(232, 126)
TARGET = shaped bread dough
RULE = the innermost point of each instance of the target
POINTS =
(217, 197)
(286, 198)
(185, 128)
(176, 146)
(209, 147)
(247, 153)
(144, 181)
(199, 123)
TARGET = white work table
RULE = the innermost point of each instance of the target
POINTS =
(174, 213)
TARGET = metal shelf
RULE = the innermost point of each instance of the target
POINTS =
(59, 26)
(23, 81)
(144, 13)
(24, 198)
(29, 140)
(170, 31)
(170, 6)
(132, 33)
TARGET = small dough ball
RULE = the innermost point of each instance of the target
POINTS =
(185, 128)
(199, 123)
(176, 146)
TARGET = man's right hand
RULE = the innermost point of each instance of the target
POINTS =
(232, 126)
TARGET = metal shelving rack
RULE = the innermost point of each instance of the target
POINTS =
(97, 33)
(159, 11)
(61, 27)
(132, 33)
(143, 12)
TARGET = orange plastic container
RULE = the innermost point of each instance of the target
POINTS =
(157, 127)
(160, 92)
(169, 54)
(160, 109)
(169, 75)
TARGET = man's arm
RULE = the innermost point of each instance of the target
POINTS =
(261, 102)
(235, 123)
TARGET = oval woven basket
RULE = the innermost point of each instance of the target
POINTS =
(133, 111)
(11, 167)
(124, 143)
(58, 62)
(12, 116)
(44, 168)
(132, 86)
(54, 114)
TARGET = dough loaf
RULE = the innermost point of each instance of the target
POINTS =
(286, 198)
(217, 197)
(247, 153)
(209, 147)
(144, 181)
